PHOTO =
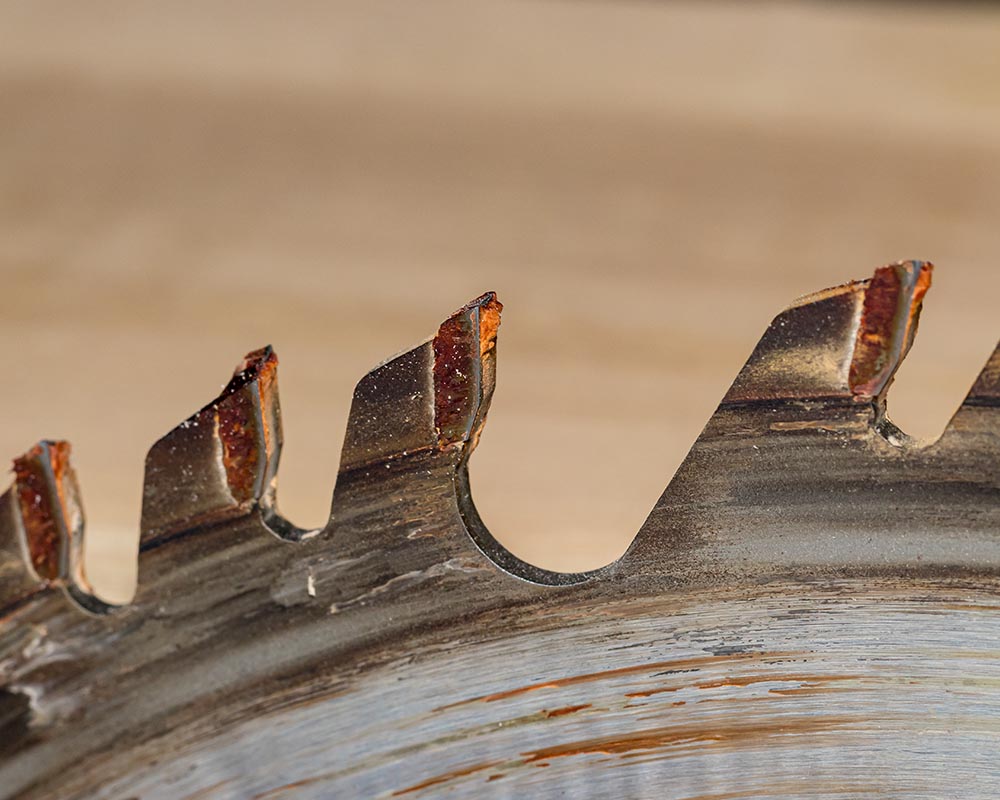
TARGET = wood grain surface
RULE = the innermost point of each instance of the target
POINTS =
(644, 185)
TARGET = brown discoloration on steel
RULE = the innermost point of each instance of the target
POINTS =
(651, 692)
(39, 475)
(677, 665)
(893, 298)
(807, 689)
(445, 778)
(561, 712)
(659, 738)
(242, 419)
(749, 680)
(462, 344)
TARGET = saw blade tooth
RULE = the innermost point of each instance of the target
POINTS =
(42, 528)
(433, 397)
(974, 424)
(414, 422)
(842, 344)
(222, 461)
(986, 389)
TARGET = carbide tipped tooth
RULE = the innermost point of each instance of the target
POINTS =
(434, 397)
(842, 344)
(44, 520)
(222, 461)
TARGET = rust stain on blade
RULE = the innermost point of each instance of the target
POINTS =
(657, 738)
(891, 309)
(676, 665)
(445, 777)
(749, 680)
(561, 712)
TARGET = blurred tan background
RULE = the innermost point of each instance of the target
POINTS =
(644, 184)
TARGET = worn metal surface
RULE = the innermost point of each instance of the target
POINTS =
(811, 609)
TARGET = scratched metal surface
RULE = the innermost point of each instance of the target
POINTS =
(810, 610)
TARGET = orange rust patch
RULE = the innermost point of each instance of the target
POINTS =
(651, 692)
(461, 344)
(41, 512)
(445, 777)
(489, 324)
(242, 412)
(889, 315)
(748, 680)
(657, 738)
(807, 689)
(561, 712)
(665, 666)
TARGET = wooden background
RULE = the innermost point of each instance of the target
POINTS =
(645, 185)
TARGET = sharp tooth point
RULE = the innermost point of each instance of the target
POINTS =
(889, 315)
(257, 365)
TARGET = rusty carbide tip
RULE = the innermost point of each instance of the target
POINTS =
(222, 461)
(51, 521)
(43, 495)
(889, 316)
(465, 371)
(245, 413)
